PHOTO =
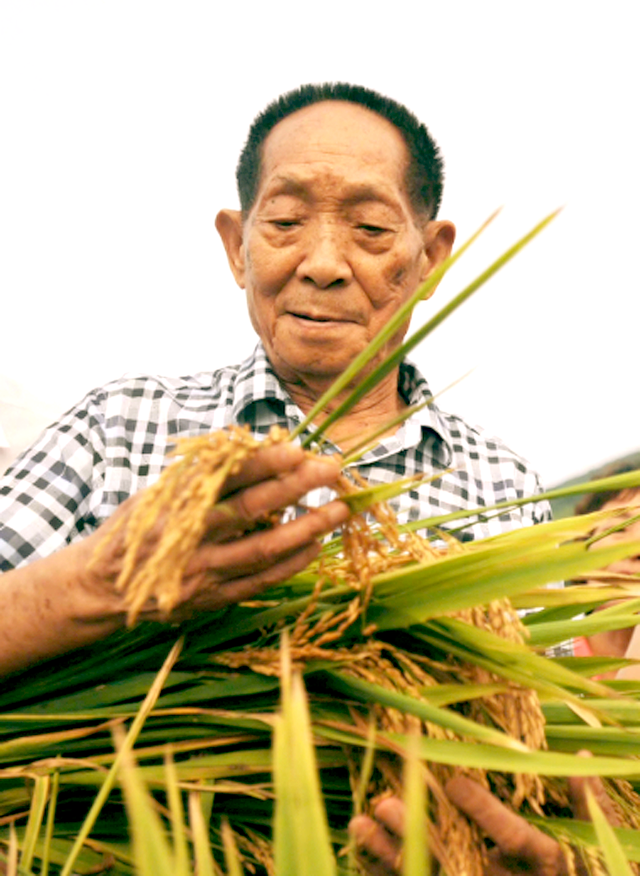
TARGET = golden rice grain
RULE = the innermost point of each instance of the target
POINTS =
(177, 507)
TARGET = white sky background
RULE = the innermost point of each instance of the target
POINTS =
(120, 126)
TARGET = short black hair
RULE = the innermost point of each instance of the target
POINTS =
(425, 173)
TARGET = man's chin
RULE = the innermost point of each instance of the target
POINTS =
(313, 370)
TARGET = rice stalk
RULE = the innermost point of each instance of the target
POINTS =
(343, 634)
(384, 628)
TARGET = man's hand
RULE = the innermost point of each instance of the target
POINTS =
(519, 847)
(240, 554)
(66, 600)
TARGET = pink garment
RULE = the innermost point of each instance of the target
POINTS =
(581, 647)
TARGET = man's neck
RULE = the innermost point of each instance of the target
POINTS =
(379, 407)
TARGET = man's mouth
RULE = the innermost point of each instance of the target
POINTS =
(312, 318)
(309, 317)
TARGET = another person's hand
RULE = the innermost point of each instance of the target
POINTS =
(239, 555)
(519, 847)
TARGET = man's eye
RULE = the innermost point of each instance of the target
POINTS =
(285, 223)
(373, 230)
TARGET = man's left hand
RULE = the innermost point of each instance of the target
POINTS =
(520, 848)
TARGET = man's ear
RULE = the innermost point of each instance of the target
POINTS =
(439, 237)
(230, 227)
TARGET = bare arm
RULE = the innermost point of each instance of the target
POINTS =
(56, 604)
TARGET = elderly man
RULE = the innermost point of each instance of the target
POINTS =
(339, 191)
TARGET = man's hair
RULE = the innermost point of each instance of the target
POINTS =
(595, 501)
(425, 172)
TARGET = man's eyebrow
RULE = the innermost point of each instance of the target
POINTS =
(287, 185)
(356, 193)
(360, 194)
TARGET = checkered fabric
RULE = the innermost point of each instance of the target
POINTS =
(115, 442)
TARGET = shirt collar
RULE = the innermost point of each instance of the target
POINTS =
(257, 382)
(414, 389)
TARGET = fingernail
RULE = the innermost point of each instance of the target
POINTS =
(328, 462)
(336, 512)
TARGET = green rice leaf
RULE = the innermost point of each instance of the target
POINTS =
(480, 575)
(583, 833)
(448, 694)
(364, 498)
(612, 853)
(373, 693)
(176, 810)
(12, 858)
(51, 814)
(607, 741)
(616, 483)
(389, 330)
(202, 845)
(489, 757)
(394, 358)
(231, 857)
(41, 789)
(302, 844)
(365, 771)
(621, 711)
(127, 746)
(152, 851)
(509, 660)
(416, 860)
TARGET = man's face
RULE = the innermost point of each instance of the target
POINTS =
(332, 246)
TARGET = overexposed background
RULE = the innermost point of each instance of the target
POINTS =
(121, 123)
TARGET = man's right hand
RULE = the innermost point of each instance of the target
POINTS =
(64, 601)
(239, 555)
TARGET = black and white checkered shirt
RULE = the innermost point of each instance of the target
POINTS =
(115, 443)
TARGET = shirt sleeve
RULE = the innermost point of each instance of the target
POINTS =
(51, 494)
(540, 511)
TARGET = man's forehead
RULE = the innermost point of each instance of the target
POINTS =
(350, 192)
(334, 136)
(335, 123)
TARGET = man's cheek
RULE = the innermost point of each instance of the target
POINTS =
(398, 284)
(402, 271)
(267, 275)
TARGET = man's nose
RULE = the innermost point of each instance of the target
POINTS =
(325, 261)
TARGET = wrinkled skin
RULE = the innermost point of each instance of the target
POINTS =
(68, 600)
(239, 557)
(330, 250)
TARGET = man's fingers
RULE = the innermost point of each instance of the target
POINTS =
(379, 849)
(511, 833)
(260, 550)
(578, 798)
(247, 506)
(201, 594)
(391, 812)
(265, 463)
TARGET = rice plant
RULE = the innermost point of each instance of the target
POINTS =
(216, 749)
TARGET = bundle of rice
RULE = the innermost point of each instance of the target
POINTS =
(395, 635)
